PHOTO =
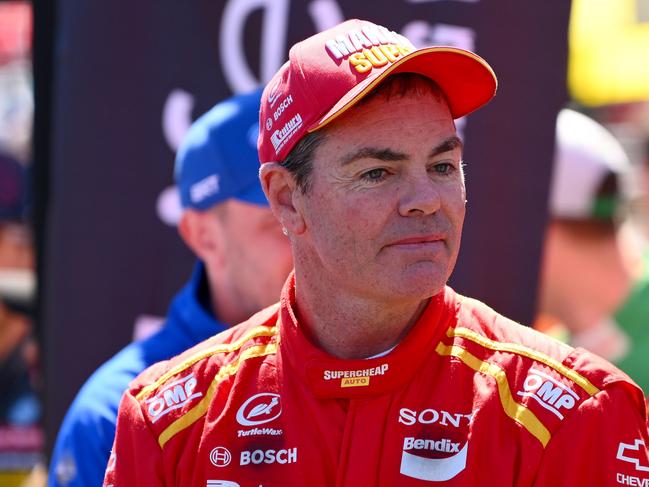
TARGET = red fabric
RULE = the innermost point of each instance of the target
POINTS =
(283, 418)
(330, 71)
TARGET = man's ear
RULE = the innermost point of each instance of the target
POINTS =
(203, 233)
(283, 196)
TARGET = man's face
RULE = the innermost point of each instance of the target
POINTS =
(257, 256)
(385, 210)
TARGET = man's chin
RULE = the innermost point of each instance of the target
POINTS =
(419, 283)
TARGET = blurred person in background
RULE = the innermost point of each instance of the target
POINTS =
(21, 437)
(243, 260)
(633, 316)
(584, 273)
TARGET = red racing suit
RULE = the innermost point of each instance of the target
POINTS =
(468, 398)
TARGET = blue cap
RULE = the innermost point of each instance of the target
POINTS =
(218, 157)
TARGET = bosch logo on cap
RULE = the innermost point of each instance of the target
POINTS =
(259, 409)
(286, 102)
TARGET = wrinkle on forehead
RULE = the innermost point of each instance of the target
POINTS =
(386, 154)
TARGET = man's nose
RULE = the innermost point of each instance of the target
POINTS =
(419, 195)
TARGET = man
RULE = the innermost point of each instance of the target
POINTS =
(21, 436)
(584, 275)
(369, 371)
(243, 262)
(633, 316)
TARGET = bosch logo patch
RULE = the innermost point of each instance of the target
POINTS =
(220, 456)
(257, 457)
(259, 409)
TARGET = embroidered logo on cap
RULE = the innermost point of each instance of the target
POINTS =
(204, 188)
(371, 47)
(274, 94)
(283, 135)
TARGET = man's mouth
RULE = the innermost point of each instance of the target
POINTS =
(418, 241)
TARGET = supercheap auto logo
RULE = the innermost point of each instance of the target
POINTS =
(355, 378)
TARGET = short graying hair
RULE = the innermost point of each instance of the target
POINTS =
(299, 161)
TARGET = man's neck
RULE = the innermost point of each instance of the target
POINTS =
(350, 327)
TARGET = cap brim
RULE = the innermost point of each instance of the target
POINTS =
(465, 78)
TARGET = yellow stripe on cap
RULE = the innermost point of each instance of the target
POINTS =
(260, 331)
(518, 349)
(198, 411)
(513, 409)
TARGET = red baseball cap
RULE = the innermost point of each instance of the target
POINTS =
(329, 72)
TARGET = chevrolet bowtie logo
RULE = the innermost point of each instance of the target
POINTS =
(630, 453)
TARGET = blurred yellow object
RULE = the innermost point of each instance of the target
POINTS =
(608, 52)
(36, 478)
(13, 478)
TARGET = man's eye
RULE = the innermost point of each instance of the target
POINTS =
(443, 168)
(374, 175)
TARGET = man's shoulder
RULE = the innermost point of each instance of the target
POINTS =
(100, 394)
(185, 384)
(496, 333)
(79, 457)
(217, 350)
(539, 379)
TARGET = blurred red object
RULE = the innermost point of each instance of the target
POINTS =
(15, 30)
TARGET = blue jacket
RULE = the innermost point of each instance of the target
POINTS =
(86, 436)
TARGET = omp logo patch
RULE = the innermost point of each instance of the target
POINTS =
(355, 378)
(173, 396)
(548, 392)
(373, 46)
(414, 464)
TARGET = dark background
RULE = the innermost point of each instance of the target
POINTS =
(105, 73)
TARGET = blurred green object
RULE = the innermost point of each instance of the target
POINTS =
(633, 319)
